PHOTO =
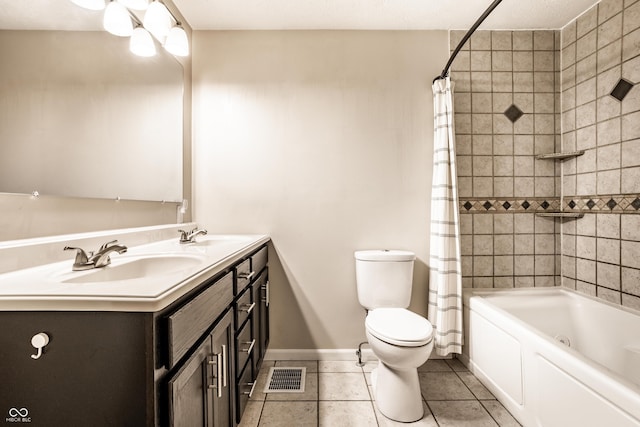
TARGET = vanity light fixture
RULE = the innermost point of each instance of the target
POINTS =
(90, 4)
(117, 20)
(157, 20)
(177, 42)
(141, 43)
(135, 4)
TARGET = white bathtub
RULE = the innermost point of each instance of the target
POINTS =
(514, 345)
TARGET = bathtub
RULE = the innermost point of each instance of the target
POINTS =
(554, 357)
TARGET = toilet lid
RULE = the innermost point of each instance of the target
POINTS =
(399, 327)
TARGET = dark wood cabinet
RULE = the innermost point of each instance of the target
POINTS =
(176, 367)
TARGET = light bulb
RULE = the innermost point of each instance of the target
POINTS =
(117, 20)
(157, 20)
(177, 42)
(141, 43)
(135, 4)
(90, 4)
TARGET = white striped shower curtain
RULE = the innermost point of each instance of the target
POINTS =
(445, 277)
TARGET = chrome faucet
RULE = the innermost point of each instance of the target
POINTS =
(101, 258)
(95, 260)
(190, 237)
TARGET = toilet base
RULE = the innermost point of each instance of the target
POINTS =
(397, 393)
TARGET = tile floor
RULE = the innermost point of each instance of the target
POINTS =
(338, 393)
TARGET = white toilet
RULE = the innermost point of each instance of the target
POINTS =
(401, 339)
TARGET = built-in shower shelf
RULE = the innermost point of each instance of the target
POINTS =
(560, 156)
(560, 214)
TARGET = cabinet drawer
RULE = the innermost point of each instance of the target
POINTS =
(243, 275)
(187, 324)
(259, 260)
(244, 345)
(245, 389)
(244, 307)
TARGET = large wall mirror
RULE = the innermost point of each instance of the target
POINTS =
(80, 115)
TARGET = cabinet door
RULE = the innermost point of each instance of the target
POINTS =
(200, 392)
(188, 390)
(222, 379)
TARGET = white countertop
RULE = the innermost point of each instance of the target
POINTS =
(47, 287)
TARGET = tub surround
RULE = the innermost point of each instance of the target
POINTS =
(50, 285)
(562, 82)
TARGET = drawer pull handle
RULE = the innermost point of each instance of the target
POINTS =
(265, 287)
(224, 365)
(247, 307)
(250, 392)
(251, 344)
(218, 362)
(246, 276)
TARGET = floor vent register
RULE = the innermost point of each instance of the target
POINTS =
(285, 380)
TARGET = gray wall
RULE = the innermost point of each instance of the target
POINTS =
(322, 139)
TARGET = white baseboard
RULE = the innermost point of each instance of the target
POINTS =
(325, 354)
(318, 354)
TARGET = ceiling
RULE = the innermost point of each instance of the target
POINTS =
(377, 14)
(313, 14)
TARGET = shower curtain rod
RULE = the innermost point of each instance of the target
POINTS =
(466, 37)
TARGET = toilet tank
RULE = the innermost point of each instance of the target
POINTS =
(384, 278)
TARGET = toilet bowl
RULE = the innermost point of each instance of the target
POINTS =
(402, 341)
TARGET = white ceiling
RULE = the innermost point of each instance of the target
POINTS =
(377, 14)
(313, 14)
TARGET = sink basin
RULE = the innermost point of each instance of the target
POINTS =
(135, 267)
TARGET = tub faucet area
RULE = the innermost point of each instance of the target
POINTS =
(101, 258)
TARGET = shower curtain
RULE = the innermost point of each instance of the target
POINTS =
(445, 277)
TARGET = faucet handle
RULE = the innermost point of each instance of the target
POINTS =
(81, 255)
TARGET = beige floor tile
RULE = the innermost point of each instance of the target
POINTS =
(499, 413)
(461, 414)
(258, 393)
(311, 365)
(426, 421)
(346, 414)
(251, 414)
(476, 387)
(310, 390)
(443, 386)
(456, 365)
(342, 386)
(338, 366)
(370, 365)
(288, 414)
(435, 365)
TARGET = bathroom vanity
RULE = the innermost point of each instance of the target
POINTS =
(183, 352)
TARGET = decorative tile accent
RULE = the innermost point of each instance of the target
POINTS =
(622, 89)
(511, 205)
(513, 113)
(623, 203)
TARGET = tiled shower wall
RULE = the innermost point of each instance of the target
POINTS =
(501, 183)
(601, 252)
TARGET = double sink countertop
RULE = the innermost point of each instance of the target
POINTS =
(146, 278)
